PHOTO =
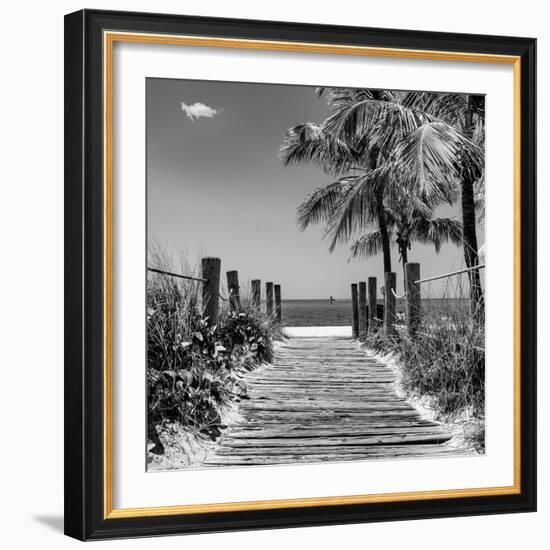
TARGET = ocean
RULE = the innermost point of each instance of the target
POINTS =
(319, 313)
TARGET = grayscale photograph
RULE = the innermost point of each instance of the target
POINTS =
(315, 274)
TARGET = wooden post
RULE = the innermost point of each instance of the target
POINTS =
(211, 268)
(269, 299)
(278, 310)
(414, 307)
(373, 310)
(233, 288)
(390, 280)
(256, 292)
(354, 311)
(362, 310)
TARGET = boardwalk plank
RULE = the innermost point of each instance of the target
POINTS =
(324, 400)
(339, 441)
(330, 431)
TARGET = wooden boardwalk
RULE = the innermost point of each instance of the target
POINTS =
(324, 400)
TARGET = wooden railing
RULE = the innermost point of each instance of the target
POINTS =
(211, 296)
(368, 316)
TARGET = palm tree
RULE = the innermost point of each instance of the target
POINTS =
(408, 225)
(349, 153)
(429, 141)
(386, 142)
(466, 112)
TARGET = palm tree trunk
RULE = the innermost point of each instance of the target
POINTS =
(383, 226)
(469, 236)
(381, 216)
(470, 244)
(404, 260)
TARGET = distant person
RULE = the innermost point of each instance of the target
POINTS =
(331, 300)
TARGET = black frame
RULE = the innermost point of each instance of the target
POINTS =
(84, 275)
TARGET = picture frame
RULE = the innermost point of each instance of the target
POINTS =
(90, 36)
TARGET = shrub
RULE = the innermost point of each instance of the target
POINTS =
(194, 369)
(444, 361)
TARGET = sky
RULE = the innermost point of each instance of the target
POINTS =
(216, 187)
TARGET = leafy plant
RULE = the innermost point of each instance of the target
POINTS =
(445, 362)
(194, 369)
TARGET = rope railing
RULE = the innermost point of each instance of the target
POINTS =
(170, 274)
(480, 266)
(212, 295)
(436, 277)
(226, 298)
(189, 278)
(361, 308)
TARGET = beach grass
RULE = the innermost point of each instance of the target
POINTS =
(443, 362)
(194, 369)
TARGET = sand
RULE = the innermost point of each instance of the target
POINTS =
(317, 332)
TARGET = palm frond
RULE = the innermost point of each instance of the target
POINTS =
(478, 136)
(319, 206)
(357, 208)
(367, 245)
(434, 157)
(373, 122)
(313, 143)
(438, 231)
(447, 107)
(401, 202)
(336, 97)
(479, 198)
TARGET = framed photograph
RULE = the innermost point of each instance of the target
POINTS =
(300, 274)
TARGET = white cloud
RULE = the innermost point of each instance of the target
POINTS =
(198, 110)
